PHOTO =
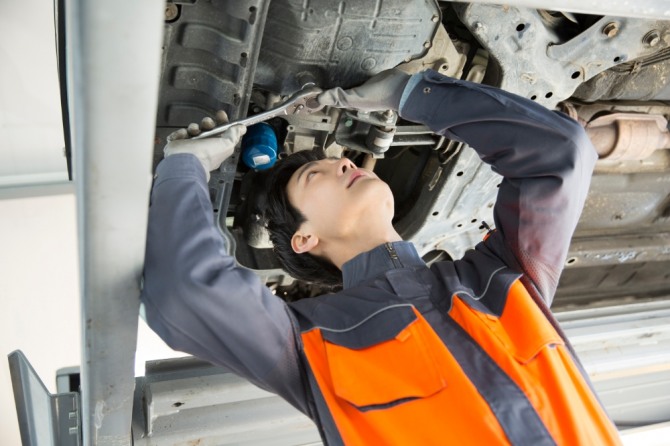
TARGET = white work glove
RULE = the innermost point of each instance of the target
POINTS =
(381, 92)
(211, 152)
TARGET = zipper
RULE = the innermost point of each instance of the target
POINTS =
(393, 255)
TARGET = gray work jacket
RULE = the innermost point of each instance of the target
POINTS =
(201, 302)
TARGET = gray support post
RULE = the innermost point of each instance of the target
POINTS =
(113, 52)
(646, 9)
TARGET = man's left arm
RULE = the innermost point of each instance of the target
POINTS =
(545, 157)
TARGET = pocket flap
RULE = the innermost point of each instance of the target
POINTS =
(528, 329)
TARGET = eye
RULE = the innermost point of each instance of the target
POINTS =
(311, 174)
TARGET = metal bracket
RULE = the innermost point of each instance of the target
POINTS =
(536, 63)
(44, 419)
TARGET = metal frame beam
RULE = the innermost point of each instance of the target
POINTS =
(113, 52)
(648, 9)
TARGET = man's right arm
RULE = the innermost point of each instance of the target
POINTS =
(200, 301)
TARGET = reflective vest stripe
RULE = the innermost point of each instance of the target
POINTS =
(327, 427)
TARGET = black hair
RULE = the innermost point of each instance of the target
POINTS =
(282, 220)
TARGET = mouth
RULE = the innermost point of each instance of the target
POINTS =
(355, 176)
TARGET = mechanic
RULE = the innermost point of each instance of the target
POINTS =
(465, 351)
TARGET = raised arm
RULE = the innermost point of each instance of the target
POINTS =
(545, 157)
(199, 301)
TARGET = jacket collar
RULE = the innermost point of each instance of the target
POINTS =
(373, 263)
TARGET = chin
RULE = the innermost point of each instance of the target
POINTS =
(375, 196)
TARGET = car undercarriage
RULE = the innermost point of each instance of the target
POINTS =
(610, 73)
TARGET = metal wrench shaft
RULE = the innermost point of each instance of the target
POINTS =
(303, 101)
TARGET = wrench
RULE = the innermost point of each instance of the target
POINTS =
(303, 101)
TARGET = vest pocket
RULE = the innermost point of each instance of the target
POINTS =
(393, 371)
(522, 330)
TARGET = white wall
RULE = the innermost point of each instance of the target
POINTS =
(38, 288)
(39, 291)
(31, 142)
(38, 267)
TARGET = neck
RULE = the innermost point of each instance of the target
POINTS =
(346, 249)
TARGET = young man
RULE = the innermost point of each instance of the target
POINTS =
(464, 351)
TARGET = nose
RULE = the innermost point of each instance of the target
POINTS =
(344, 165)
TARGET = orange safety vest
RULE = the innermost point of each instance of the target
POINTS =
(461, 375)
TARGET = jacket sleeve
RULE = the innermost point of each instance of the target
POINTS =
(199, 301)
(545, 157)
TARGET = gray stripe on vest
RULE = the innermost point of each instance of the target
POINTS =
(382, 326)
(330, 434)
(358, 324)
(516, 415)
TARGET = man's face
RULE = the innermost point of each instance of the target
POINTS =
(340, 201)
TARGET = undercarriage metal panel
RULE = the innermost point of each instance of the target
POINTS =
(619, 204)
(341, 44)
(630, 279)
(641, 79)
(452, 206)
(209, 60)
(536, 64)
(621, 246)
(210, 52)
(649, 9)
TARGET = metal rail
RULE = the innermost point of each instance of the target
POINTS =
(113, 52)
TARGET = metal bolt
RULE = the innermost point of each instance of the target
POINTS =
(611, 29)
(171, 11)
(426, 44)
(652, 38)
(434, 19)
(389, 115)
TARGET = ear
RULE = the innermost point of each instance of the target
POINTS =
(303, 242)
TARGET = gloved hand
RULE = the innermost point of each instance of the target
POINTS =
(381, 92)
(211, 152)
